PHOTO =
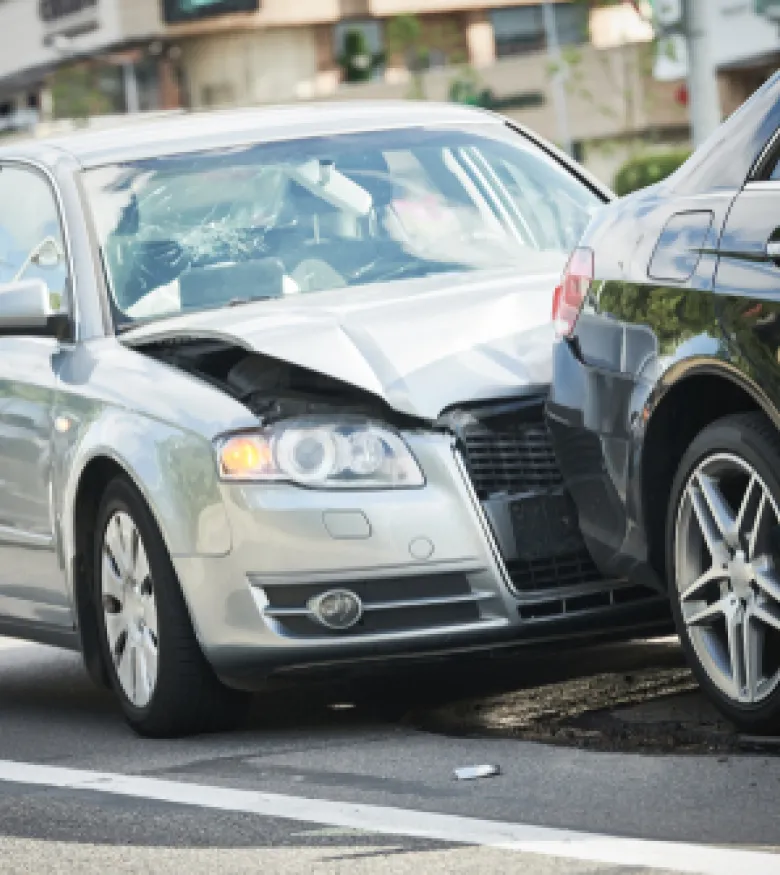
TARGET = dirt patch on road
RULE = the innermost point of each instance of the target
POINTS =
(653, 710)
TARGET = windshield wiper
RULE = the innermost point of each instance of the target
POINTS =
(237, 302)
(122, 327)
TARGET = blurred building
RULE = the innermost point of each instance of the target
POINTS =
(156, 54)
(745, 48)
(87, 58)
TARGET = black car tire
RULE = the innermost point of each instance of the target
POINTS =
(752, 438)
(188, 698)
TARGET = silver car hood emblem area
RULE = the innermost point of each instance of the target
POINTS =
(421, 345)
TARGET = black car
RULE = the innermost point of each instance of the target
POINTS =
(665, 405)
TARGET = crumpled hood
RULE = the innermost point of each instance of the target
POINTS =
(422, 345)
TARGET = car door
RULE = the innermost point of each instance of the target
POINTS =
(32, 584)
(748, 282)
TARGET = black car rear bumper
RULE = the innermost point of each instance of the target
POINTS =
(590, 418)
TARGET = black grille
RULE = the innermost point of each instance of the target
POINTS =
(382, 589)
(511, 457)
(553, 572)
(404, 599)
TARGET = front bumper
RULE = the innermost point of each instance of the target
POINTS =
(428, 564)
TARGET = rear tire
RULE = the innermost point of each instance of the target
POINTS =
(723, 564)
(164, 683)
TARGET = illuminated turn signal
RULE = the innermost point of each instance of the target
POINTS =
(242, 456)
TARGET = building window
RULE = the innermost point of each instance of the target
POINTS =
(571, 20)
(520, 29)
(189, 10)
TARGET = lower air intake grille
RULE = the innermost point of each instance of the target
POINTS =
(553, 572)
(390, 605)
(511, 456)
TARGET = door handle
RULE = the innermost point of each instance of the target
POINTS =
(773, 250)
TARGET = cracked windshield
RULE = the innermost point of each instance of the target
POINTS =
(210, 229)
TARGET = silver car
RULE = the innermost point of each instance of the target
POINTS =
(271, 391)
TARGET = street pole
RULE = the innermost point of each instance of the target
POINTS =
(558, 79)
(703, 76)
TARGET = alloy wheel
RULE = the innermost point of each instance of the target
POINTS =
(129, 609)
(729, 589)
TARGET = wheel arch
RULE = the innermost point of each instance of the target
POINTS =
(691, 396)
(182, 501)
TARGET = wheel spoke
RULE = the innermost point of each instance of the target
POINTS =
(753, 646)
(707, 527)
(142, 573)
(766, 578)
(768, 614)
(150, 615)
(112, 547)
(116, 628)
(714, 574)
(144, 682)
(722, 515)
(753, 536)
(149, 650)
(744, 504)
(735, 618)
(134, 546)
(112, 583)
(710, 613)
(124, 670)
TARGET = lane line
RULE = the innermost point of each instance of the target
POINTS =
(545, 841)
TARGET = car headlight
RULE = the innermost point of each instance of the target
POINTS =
(329, 455)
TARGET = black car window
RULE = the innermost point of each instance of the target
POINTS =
(31, 239)
(678, 250)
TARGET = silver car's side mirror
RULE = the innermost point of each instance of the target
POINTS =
(26, 308)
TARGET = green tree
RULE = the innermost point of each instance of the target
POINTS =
(357, 61)
(648, 169)
(76, 93)
(407, 38)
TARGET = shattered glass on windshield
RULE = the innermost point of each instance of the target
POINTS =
(210, 229)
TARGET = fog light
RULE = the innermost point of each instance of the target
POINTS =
(338, 609)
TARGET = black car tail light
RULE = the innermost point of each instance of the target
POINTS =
(570, 294)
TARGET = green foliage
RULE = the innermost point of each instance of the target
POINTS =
(406, 37)
(647, 170)
(467, 88)
(76, 93)
(357, 60)
(673, 314)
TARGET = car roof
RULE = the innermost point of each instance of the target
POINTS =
(224, 128)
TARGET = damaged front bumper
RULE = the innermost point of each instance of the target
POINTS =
(486, 553)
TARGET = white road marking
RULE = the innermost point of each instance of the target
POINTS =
(15, 643)
(545, 841)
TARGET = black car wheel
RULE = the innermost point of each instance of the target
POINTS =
(163, 681)
(723, 556)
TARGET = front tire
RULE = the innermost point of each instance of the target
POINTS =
(163, 681)
(723, 558)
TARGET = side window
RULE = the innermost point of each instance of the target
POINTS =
(31, 239)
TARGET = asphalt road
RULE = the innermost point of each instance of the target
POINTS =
(336, 780)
